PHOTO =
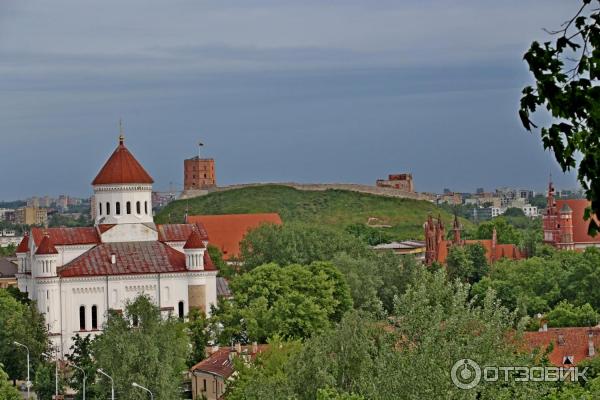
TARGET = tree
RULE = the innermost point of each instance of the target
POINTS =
(506, 233)
(459, 264)
(225, 270)
(24, 324)
(292, 302)
(7, 391)
(45, 380)
(296, 244)
(141, 346)
(477, 255)
(566, 70)
(197, 327)
(514, 212)
(81, 355)
(566, 314)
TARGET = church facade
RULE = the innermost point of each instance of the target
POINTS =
(77, 275)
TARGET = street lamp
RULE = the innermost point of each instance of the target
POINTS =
(84, 375)
(143, 388)
(55, 372)
(112, 383)
(28, 381)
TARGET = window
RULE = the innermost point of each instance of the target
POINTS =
(204, 386)
(99, 208)
(82, 318)
(146, 207)
(180, 309)
(136, 320)
(138, 207)
(118, 208)
(94, 317)
(128, 206)
(107, 208)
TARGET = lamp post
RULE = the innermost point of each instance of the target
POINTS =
(84, 376)
(112, 383)
(143, 388)
(55, 372)
(28, 384)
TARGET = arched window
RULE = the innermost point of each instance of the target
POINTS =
(107, 208)
(146, 207)
(82, 318)
(138, 207)
(118, 208)
(94, 317)
(128, 205)
(99, 208)
(136, 320)
(180, 309)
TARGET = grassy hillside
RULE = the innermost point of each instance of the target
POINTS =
(337, 208)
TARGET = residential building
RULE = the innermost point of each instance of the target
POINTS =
(564, 223)
(570, 346)
(33, 202)
(199, 173)
(5, 212)
(31, 216)
(77, 275)
(8, 271)
(437, 247)
(497, 211)
(482, 214)
(402, 182)
(211, 376)
(450, 198)
(227, 231)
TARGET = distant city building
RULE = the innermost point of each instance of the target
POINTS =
(450, 198)
(31, 216)
(482, 214)
(8, 271)
(402, 182)
(479, 191)
(5, 213)
(33, 202)
(564, 224)
(530, 211)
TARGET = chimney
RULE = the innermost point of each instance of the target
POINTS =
(214, 349)
(113, 258)
(545, 328)
(238, 348)
(254, 347)
(591, 348)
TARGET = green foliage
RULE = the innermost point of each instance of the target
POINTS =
(514, 212)
(24, 324)
(332, 394)
(292, 302)
(371, 236)
(467, 263)
(81, 355)
(8, 251)
(567, 74)
(197, 327)
(44, 383)
(334, 208)
(296, 244)
(7, 391)
(153, 353)
(67, 220)
(505, 232)
(565, 314)
(225, 270)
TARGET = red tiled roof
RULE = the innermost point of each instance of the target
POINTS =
(122, 167)
(566, 342)
(227, 231)
(46, 246)
(218, 363)
(24, 245)
(179, 232)
(580, 226)
(104, 227)
(509, 251)
(132, 258)
(67, 236)
(194, 241)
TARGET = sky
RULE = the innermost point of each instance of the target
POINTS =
(306, 91)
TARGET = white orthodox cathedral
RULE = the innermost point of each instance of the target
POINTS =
(76, 275)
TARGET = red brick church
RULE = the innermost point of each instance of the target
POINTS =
(564, 224)
(437, 247)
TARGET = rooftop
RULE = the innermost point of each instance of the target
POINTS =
(122, 167)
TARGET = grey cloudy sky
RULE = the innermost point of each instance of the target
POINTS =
(309, 91)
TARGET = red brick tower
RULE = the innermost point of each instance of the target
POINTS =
(566, 228)
(551, 219)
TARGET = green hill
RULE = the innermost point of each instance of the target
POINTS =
(337, 208)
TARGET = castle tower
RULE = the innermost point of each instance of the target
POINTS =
(123, 190)
(456, 229)
(494, 255)
(551, 219)
(46, 258)
(566, 228)
(430, 247)
(199, 173)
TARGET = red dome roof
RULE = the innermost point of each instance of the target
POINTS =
(122, 167)
(24, 245)
(46, 247)
(194, 241)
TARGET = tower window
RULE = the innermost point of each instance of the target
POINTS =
(82, 318)
(94, 317)
(118, 208)
(107, 208)
(128, 206)
(146, 207)
(180, 309)
(138, 207)
(99, 208)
